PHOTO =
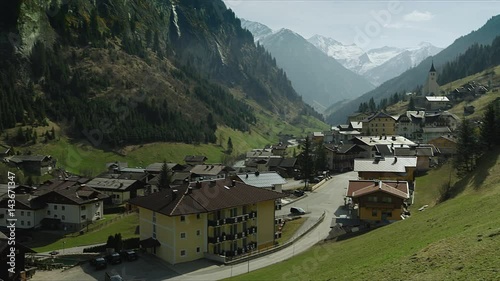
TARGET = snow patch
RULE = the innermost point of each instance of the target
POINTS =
(221, 54)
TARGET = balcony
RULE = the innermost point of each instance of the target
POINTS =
(218, 238)
(252, 215)
(277, 235)
(218, 222)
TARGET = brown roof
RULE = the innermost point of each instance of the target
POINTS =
(359, 188)
(203, 197)
(207, 169)
(195, 158)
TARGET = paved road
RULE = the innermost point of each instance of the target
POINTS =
(326, 198)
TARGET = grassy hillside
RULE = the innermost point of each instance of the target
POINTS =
(480, 104)
(455, 240)
(82, 158)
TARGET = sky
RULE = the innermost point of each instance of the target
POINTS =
(371, 24)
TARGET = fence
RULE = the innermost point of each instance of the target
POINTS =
(100, 224)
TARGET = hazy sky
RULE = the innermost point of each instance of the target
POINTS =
(371, 24)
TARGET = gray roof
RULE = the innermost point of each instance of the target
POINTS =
(132, 170)
(156, 167)
(29, 158)
(262, 180)
(373, 140)
(389, 164)
(115, 184)
(436, 98)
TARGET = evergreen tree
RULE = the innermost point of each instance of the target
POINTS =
(371, 105)
(467, 148)
(229, 146)
(411, 104)
(489, 128)
(118, 242)
(320, 161)
(305, 160)
(164, 177)
(111, 242)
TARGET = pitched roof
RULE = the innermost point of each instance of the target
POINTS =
(373, 140)
(78, 194)
(390, 164)
(156, 167)
(203, 197)
(112, 184)
(436, 98)
(195, 158)
(210, 170)
(379, 114)
(29, 158)
(432, 68)
(288, 162)
(262, 179)
(358, 188)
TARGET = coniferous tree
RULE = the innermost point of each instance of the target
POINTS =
(467, 148)
(164, 178)
(229, 146)
(411, 104)
(489, 128)
(305, 160)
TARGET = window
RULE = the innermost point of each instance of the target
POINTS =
(183, 218)
(55, 207)
(154, 217)
(154, 230)
(48, 212)
(387, 199)
(2, 216)
(84, 217)
(183, 235)
(198, 216)
(372, 199)
(55, 216)
(183, 253)
(63, 208)
(197, 249)
(198, 232)
(28, 213)
(82, 208)
(374, 213)
(22, 222)
(22, 213)
(29, 223)
(63, 217)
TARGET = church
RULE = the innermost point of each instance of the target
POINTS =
(431, 87)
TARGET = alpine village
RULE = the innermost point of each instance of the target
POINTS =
(175, 140)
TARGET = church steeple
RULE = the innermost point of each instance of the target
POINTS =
(432, 67)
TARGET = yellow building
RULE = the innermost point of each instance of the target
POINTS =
(218, 220)
(379, 200)
(379, 124)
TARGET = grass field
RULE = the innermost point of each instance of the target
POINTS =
(47, 242)
(455, 240)
(290, 228)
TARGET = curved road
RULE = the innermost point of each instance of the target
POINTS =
(329, 197)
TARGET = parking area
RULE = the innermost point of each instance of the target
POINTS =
(147, 267)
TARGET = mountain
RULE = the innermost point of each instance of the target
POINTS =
(130, 72)
(320, 80)
(416, 76)
(258, 30)
(377, 65)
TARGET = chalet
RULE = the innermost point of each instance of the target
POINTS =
(215, 220)
(430, 133)
(155, 168)
(340, 158)
(357, 117)
(425, 155)
(118, 190)
(379, 123)
(372, 144)
(447, 144)
(195, 159)
(317, 137)
(410, 124)
(209, 172)
(389, 168)
(57, 204)
(268, 180)
(279, 149)
(33, 164)
(379, 201)
(436, 102)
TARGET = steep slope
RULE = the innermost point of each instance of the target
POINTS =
(258, 30)
(320, 80)
(413, 77)
(127, 72)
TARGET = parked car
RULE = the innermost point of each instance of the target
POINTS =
(114, 258)
(112, 277)
(129, 255)
(297, 211)
(99, 263)
(298, 192)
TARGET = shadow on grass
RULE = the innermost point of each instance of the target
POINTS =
(40, 238)
(480, 173)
